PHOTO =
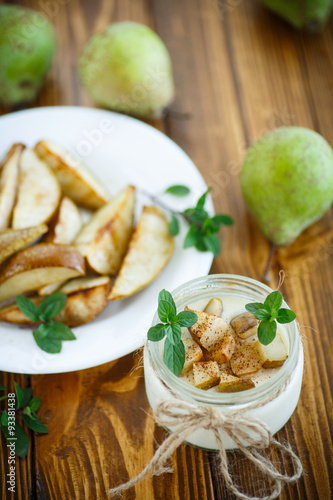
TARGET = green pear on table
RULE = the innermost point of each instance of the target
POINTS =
(27, 46)
(310, 15)
(287, 181)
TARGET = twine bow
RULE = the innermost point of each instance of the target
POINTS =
(244, 430)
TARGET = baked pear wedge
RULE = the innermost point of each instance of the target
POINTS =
(150, 249)
(77, 181)
(37, 266)
(66, 223)
(9, 180)
(38, 195)
(13, 240)
(104, 239)
(86, 299)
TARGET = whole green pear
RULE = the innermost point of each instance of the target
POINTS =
(27, 45)
(287, 181)
(310, 15)
(127, 68)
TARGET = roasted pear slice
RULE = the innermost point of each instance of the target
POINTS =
(104, 239)
(66, 224)
(150, 249)
(9, 181)
(274, 354)
(39, 265)
(39, 192)
(206, 374)
(86, 299)
(77, 181)
(13, 240)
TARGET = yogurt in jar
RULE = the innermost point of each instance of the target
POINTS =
(275, 396)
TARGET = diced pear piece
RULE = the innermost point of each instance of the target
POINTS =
(214, 307)
(208, 330)
(206, 374)
(245, 325)
(67, 223)
(245, 360)
(86, 299)
(13, 240)
(193, 354)
(77, 181)
(104, 239)
(9, 181)
(150, 249)
(230, 383)
(37, 266)
(274, 354)
(39, 192)
(222, 350)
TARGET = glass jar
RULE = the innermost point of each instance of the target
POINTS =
(274, 400)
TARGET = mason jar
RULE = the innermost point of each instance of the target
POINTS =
(273, 402)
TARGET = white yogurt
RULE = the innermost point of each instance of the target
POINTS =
(276, 406)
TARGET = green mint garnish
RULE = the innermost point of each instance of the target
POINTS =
(174, 350)
(269, 313)
(178, 190)
(203, 229)
(25, 408)
(49, 334)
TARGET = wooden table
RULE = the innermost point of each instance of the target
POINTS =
(239, 71)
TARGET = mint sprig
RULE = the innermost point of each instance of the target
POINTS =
(25, 409)
(203, 229)
(172, 323)
(50, 334)
(269, 313)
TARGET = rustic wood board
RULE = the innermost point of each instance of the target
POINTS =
(239, 71)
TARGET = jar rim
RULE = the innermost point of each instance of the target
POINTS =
(213, 282)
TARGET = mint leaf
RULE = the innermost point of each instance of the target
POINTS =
(3, 388)
(27, 411)
(174, 226)
(156, 333)
(28, 308)
(21, 442)
(253, 307)
(273, 302)
(35, 424)
(48, 344)
(165, 295)
(222, 219)
(178, 190)
(34, 404)
(19, 396)
(4, 418)
(59, 331)
(186, 319)
(27, 393)
(202, 200)
(174, 356)
(52, 305)
(173, 333)
(285, 316)
(262, 314)
(165, 310)
(266, 331)
(3, 397)
(212, 244)
(192, 237)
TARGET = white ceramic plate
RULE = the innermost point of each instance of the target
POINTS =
(121, 151)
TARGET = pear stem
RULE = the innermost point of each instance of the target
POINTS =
(267, 277)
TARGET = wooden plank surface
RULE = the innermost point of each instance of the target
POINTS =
(239, 71)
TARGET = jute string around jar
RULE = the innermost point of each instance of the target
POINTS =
(241, 428)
